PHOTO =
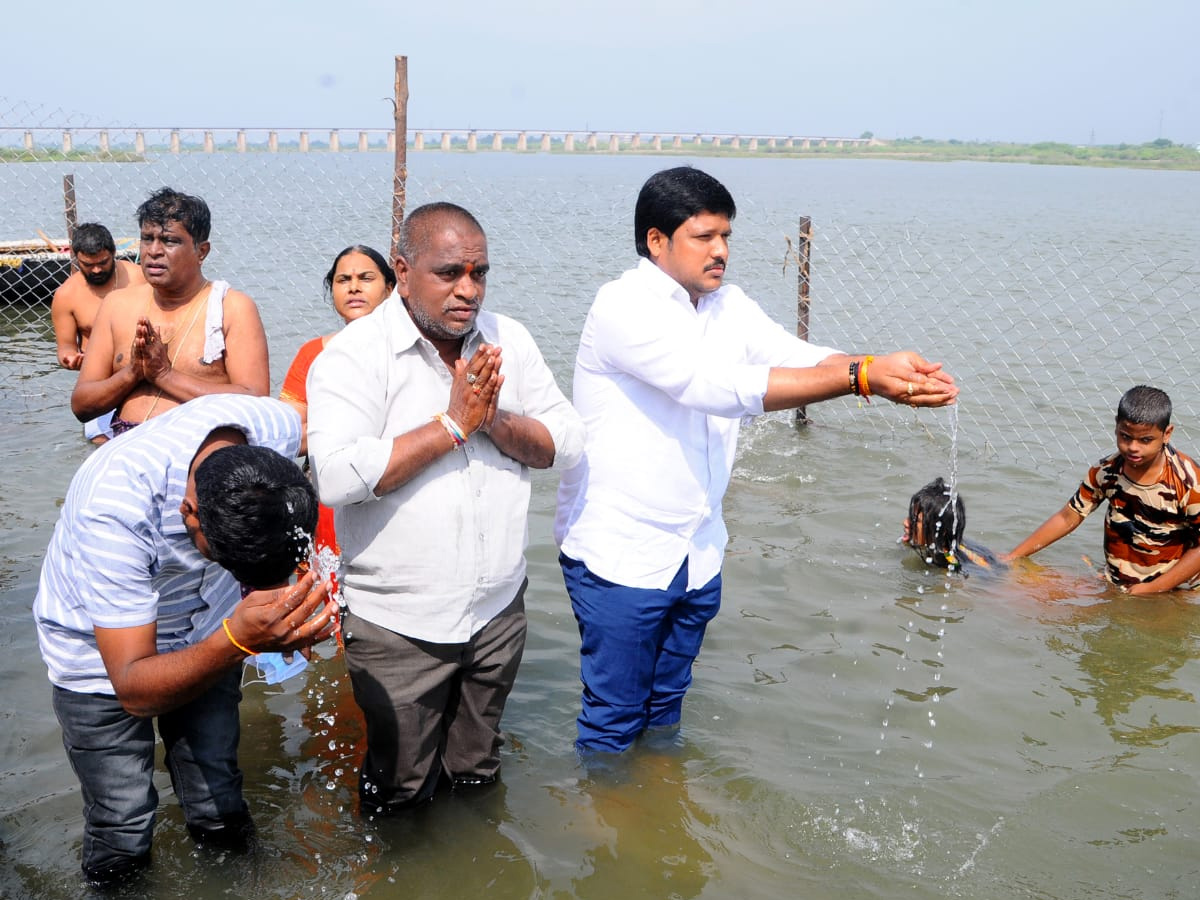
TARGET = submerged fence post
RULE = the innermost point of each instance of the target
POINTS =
(400, 177)
(803, 255)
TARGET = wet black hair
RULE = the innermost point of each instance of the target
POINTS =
(671, 197)
(92, 238)
(942, 526)
(168, 205)
(257, 512)
(1145, 405)
(389, 274)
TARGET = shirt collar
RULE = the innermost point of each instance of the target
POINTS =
(667, 287)
(405, 332)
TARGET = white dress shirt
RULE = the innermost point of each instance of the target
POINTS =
(440, 556)
(662, 387)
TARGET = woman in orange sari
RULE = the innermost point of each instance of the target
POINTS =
(357, 282)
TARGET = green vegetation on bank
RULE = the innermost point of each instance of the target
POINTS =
(45, 154)
(1159, 154)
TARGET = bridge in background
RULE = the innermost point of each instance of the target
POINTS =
(212, 140)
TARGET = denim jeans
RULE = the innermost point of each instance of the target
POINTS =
(638, 646)
(112, 754)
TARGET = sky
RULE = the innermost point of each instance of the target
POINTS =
(1077, 71)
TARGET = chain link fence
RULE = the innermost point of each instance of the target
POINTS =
(1043, 334)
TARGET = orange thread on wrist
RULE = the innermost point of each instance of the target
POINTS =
(233, 640)
(863, 384)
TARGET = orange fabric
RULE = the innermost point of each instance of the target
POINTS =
(297, 374)
(294, 389)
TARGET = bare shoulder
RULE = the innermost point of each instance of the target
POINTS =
(68, 294)
(133, 272)
(240, 309)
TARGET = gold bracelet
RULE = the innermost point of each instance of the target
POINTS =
(233, 640)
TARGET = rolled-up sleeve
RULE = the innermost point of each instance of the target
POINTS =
(347, 446)
(541, 398)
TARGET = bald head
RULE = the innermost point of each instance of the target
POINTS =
(425, 221)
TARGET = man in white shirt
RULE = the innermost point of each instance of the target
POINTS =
(149, 602)
(670, 360)
(422, 445)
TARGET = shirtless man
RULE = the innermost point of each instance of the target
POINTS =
(179, 336)
(73, 309)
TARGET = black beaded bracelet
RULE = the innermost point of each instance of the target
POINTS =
(854, 387)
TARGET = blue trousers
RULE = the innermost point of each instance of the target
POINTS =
(638, 646)
(112, 754)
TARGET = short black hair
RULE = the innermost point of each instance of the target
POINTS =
(671, 197)
(168, 205)
(257, 512)
(942, 526)
(413, 238)
(389, 274)
(1145, 405)
(92, 238)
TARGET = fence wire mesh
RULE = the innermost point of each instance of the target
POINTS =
(1042, 335)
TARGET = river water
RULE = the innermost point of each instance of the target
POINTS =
(860, 726)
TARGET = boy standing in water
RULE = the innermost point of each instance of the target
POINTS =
(1152, 527)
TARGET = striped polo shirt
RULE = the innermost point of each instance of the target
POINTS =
(121, 557)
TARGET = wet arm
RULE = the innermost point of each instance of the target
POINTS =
(66, 331)
(149, 683)
(1057, 526)
(1185, 569)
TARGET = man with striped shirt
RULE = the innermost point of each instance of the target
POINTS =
(153, 591)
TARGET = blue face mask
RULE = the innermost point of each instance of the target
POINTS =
(273, 668)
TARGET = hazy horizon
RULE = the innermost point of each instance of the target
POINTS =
(1024, 72)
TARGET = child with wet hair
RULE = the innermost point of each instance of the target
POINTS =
(934, 529)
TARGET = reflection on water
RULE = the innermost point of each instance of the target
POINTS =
(1130, 653)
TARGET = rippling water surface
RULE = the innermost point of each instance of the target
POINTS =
(860, 726)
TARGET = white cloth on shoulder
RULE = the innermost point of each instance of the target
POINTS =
(214, 323)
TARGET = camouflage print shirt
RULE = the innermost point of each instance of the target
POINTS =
(1148, 527)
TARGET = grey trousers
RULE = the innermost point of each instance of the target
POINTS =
(431, 709)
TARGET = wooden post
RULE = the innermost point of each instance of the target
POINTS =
(803, 255)
(400, 170)
(69, 208)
